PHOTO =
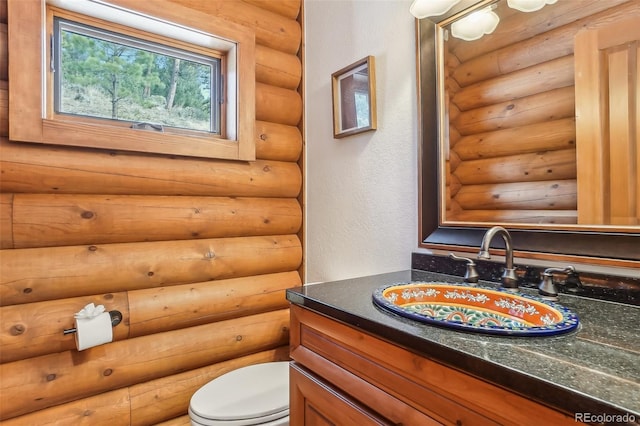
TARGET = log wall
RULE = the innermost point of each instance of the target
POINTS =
(195, 253)
(512, 114)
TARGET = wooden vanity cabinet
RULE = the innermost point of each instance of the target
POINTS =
(344, 376)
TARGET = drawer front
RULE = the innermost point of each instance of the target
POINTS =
(439, 392)
(314, 402)
(363, 393)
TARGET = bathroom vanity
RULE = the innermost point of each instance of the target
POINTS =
(355, 364)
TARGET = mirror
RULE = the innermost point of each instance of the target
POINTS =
(354, 98)
(512, 115)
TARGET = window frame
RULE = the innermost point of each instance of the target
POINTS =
(31, 112)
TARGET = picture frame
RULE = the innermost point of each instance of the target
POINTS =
(354, 98)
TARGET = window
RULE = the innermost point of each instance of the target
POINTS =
(101, 74)
(145, 80)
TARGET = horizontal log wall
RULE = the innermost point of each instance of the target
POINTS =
(196, 254)
(137, 404)
(45, 220)
(512, 115)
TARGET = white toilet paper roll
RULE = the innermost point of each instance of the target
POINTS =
(93, 331)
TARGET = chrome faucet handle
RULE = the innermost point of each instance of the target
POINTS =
(547, 288)
(471, 275)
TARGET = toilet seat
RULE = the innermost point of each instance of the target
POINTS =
(252, 395)
(276, 419)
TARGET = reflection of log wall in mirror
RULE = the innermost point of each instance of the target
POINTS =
(512, 93)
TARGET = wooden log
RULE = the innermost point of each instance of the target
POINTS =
(287, 8)
(46, 220)
(549, 165)
(488, 67)
(278, 105)
(535, 50)
(453, 186)
(548, 136)
(277, 142)
(451, 61)
(35, 329)
(564, 217)
(454, 161)
(544, 77)
(6, 221)
(449, 92)
(453, 112)
(454, 136)
(109, 408)
(277, 68)
(168, 308)
(178, 421)
(516, 26)
(43, 169)
(451, 64)
(42, 382)
(271, 29)
(452, 208)
(37, 274)
(543, 107)
(4, 109)
(544, 195)
(168, 397)
(144, 403)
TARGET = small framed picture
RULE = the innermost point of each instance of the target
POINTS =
(354, 98)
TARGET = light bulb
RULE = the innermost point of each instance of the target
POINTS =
(529, 5)
(425, 8)
(475, 25)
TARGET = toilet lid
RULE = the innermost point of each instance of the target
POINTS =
(249, 392)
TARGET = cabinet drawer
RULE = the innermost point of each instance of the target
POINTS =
(437, 391)
(314, 402)
(364, 394)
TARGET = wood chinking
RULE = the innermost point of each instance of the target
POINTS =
(196, 254)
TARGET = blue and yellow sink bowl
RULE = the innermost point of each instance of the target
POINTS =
(476, 309)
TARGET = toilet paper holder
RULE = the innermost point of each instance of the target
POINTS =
(116, 318)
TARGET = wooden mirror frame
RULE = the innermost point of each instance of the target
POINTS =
(607, 248)
(339, 131)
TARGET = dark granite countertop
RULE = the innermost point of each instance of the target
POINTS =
(595, 369)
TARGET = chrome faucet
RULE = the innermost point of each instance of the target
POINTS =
(509, 279)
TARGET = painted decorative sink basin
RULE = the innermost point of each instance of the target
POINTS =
(476, 309)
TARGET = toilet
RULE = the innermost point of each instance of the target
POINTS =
(252, 395)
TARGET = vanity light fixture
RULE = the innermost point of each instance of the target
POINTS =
(425, 8)
(475, 25)
(529, 5)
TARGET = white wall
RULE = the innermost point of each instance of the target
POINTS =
(361, 191)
